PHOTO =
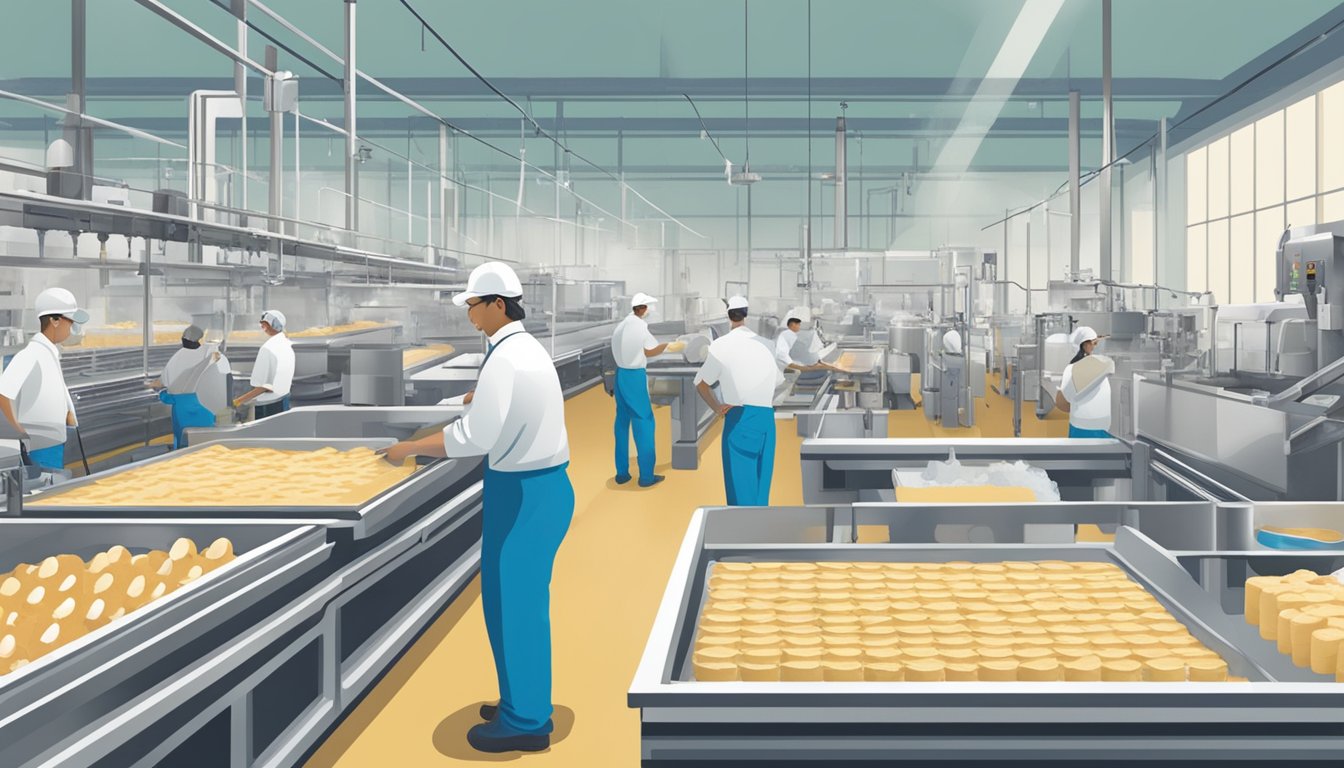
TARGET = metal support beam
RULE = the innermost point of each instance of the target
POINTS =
(841, 186)
(1075, 194)
(1107, 143)
(351, 142)
(276, 180)
(239, 8)
(444, 169)
(77, 132)
(1160, 204)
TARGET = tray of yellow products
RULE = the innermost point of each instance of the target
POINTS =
(315, 331)
(414, 357)
(1302, 614)
(299, 477)
(95, 615)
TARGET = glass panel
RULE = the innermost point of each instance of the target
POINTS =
(1332, 207)
(1142, 268)
(1218, 260)
(1332, 148)
(1302, 213)
(1218, 178)
(1301, 155)
(1241, 251)
(1241, 174)
(1268, 230)
(1269, 161)
(1196, 258)
(1196, 186)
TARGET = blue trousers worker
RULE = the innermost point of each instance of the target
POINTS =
(526, 515)
(187, 412)
(748, 455)
(1092, 433)
(51, 457)
(634, 413)
(270, 409)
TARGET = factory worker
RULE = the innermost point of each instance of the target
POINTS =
(516, 417)
(33, 395)
(194, 383)
(788, 337)
(273, 373)
(952, 343)
(743, 366)
(631, 346)
(1085, 387)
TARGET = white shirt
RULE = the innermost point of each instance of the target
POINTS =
(1090, 409)
(35, 385)
(209, 387)
(743, 366)
(274, 369)
(784, 347)
(517, 416)
(630, 340)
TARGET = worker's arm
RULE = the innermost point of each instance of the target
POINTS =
(1060, 402)
(250, 395)
(263, 377)
(655, 351)
(431, 445)
(7, 408)
(707, 394)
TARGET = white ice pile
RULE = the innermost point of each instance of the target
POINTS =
(1002, 474)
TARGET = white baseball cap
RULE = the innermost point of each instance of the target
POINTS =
(58, 301)
(737, 302)
(952, 342)
(275, 318)
(490, 279)
(1082, 334)
(642, 300)
(799, 313)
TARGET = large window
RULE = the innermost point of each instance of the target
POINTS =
(1242, 189)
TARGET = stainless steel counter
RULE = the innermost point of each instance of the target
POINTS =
(1283, 714)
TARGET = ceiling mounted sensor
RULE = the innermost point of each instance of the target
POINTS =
(743, 178)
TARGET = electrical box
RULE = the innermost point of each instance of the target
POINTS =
(281, 92)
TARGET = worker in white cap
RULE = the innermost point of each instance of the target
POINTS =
(33, 395)
(273, 372)
(952, 342)
(194, 383)
(1085, 387)
(631, 346)
(789, 337)
(517, 418)
(743, 365)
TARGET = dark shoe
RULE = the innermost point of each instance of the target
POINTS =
(652, 481)
(622, 479)
(494, 737)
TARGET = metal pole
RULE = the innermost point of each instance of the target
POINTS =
(351, 144)
(78, 134)
(276, 182)
(443, 185)
(1160, 208)
(240, 87)
(1107, 141)
(1075, 194)
(147, 330)
(841, 200)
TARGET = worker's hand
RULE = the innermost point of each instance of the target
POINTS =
(396, 454)
(215, 357)
(466, 399)
(676, 346)
(723, 409)
(237, 402)
(70, 420)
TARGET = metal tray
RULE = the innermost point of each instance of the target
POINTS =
(61, 693)
(422, 488)
(1284, 713)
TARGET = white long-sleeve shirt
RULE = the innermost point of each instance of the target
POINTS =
(209, 387)
(630, 340)
(1090, 408)
(517, 416)
(784, 348)
(34, 384)
(274, 369)
(744, 367)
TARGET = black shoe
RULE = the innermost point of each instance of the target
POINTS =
(490, 711)
(652, 481)
(622, 479)
(494, 737)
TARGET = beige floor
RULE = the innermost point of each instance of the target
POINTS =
(609, 578)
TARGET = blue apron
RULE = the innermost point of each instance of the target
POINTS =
(187, 412)
(634, 411)
(748, 455)
(52, 457)
(1088, 433)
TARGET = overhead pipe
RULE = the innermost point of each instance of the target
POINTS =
(841, 177)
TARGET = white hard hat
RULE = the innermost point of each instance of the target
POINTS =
(58, 301)
(490, 279)
(1082, 334)
(274, 318)
(642, 300)
(737, 302)
(798, 313)
(952, 342)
